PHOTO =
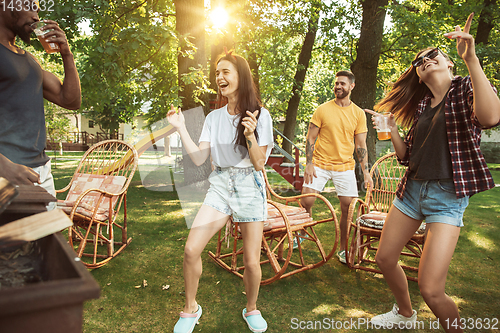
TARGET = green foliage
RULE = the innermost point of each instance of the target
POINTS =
(57, 123)
(490, 57)
(275, 31)
(198, 77)
(131, 57)
(419, 24)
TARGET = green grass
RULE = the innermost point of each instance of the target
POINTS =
(333, 291)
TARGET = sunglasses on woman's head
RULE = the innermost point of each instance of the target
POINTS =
(430, 55)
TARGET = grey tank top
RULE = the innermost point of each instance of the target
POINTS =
(22, 118)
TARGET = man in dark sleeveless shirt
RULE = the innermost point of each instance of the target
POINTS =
(23, 86)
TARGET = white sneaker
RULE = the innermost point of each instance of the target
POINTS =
(393, 319)
(341, 256)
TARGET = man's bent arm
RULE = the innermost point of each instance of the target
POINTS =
(67, 94)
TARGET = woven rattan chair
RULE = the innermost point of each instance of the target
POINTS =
(96, 192)
(287, 221)
(366, 219)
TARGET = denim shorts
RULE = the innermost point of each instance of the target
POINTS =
(432, 201)
(239, 192)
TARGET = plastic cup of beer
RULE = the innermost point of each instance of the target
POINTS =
(382, 125)
(50, 47)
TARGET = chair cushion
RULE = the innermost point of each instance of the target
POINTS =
(296, 215)
(83, 182)
(376, 220)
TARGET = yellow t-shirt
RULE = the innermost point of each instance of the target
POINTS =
(334, 146)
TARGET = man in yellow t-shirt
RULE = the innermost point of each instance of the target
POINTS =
(337, 129)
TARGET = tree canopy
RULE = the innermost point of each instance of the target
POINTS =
(148, 52)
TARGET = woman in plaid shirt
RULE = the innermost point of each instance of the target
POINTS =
(445, 115)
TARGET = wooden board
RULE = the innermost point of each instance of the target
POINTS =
(34, 227)
(30, 200)
(7, 193)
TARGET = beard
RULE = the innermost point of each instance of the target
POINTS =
(341, 93)
(20, 30)
(26, 37)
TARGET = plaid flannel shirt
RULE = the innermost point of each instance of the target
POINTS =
(470, 172)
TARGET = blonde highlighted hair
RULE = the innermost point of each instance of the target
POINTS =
(406, 93)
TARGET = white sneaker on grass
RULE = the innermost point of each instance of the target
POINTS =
(295, 243)
(393, 319)
(341, 256)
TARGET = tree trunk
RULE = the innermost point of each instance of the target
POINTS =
(486, 23)
(365, 66)
(190, 22)
(298, 80)
(254, 67)
(222, 39)
(77, 125)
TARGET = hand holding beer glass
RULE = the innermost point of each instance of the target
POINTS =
(50, 47)
(381, 123)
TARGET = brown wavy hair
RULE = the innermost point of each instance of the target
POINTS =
(248, 100)
(406, 93)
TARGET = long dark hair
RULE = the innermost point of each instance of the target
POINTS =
(405, 94)
(248, 100)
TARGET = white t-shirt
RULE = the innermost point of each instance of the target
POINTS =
(220, 130)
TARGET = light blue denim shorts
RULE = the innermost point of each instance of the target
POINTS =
(432, 201)
(239, 192)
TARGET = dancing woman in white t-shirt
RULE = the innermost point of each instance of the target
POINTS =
(239, 138)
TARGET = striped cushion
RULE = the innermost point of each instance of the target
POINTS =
(376, 220)
(296, 215)
(83, 182)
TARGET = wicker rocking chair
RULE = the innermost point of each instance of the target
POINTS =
(285, 223)
(96, 193)
(366, 219)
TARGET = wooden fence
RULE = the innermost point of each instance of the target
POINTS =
(81, 141)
